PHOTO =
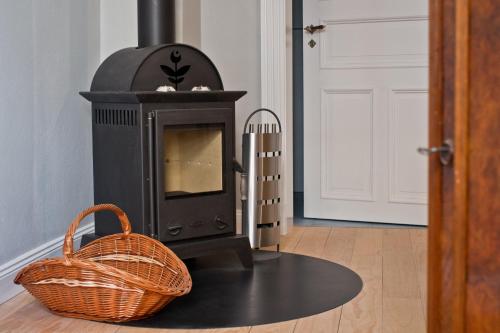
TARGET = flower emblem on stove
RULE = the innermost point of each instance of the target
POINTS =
(176, 74)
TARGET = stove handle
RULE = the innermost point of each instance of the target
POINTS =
(175, 230)
(244, 186)
(221, 225)
(151, 176)
(244, 178)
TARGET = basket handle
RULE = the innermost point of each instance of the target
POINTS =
(68, 239)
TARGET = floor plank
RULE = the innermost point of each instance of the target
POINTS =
(34, 318)
(229, 330)
(338, 248)
(313, 241)
(282, 327)
(326, 322)
(400, 273)
(419, 246)
(289, 242)
(402, 308)
(130, 329)
(364, 313)
(340, 245)
(402, 315)
(13, 305)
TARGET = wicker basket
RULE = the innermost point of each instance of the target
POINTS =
(116, 278)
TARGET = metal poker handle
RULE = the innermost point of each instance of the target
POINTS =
(261, 110)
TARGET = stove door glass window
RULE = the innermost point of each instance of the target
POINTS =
(193, 159)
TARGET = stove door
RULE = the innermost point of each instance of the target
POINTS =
(195, 194)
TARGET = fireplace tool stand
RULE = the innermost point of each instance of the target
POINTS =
(260, 183)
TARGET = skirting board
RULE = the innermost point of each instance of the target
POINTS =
(52, 248)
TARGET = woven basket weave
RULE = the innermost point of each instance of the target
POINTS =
(116, 278)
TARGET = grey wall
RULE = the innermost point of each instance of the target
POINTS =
(48, 52)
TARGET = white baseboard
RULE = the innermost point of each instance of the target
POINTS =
(53, 248)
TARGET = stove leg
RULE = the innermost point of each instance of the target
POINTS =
(244, 252)
(245, 255)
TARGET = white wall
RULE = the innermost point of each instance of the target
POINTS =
(230, 36)
(49, 51)
(118, 26)
(188, 22)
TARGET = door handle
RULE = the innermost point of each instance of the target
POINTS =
(445, 151)
(313, 28)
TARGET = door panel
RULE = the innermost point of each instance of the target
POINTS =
(365, 111)
(344, 112)
(375, 42)
(407, 129)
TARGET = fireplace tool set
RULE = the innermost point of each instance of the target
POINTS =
(260, 181)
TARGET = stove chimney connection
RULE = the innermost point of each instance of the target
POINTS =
(156, 22)
(158, 61)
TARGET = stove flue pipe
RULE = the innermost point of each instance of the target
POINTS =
(156, 22)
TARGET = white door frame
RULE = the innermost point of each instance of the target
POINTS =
(276, 76)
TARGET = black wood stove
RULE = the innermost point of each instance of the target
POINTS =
(166, 158)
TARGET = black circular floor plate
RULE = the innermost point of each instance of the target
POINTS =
(277, 289)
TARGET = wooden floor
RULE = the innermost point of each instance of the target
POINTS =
(391, 262)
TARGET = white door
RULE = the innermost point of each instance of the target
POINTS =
(365, 110)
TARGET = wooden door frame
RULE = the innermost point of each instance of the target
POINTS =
(447, 255)
(464, 238)
(435, 227)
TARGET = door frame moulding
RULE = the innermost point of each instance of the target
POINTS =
(274, 86)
